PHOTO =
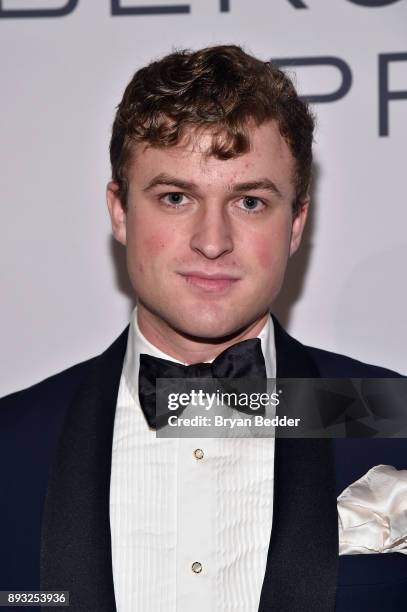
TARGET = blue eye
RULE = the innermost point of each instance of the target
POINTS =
(250, 202)
(175, 197)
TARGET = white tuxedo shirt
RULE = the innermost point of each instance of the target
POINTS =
(190, 518)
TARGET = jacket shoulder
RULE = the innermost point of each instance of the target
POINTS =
(49, 394)
(334, 365)
(30, 425)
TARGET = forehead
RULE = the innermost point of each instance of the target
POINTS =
(268, 156)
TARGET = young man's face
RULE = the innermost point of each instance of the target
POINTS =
(208, 240)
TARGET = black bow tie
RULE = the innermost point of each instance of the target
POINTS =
(241, 360)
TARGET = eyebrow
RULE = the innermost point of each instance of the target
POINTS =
(166, 179)
(264, 183)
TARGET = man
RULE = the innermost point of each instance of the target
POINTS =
(211, 156)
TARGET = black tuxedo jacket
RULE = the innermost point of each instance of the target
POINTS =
(55, 457)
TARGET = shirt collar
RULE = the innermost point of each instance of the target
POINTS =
(137, 344)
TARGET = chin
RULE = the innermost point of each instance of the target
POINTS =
(209, 328)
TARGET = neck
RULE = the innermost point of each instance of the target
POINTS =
(185, 348)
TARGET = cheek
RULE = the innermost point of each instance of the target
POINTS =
(150, 250)
(154, 244)
(263, 253)
(270, 249)
(146, 235)
(163, 239)
(143, 251)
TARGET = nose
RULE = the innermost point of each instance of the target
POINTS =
(212, 232)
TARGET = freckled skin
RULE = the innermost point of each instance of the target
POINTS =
(212, 230)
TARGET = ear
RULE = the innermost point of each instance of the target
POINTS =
(117, 212)
(299, 224)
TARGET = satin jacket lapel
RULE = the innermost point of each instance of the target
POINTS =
(76, 546)
(301, 570)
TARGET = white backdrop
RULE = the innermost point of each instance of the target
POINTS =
(61, 78)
